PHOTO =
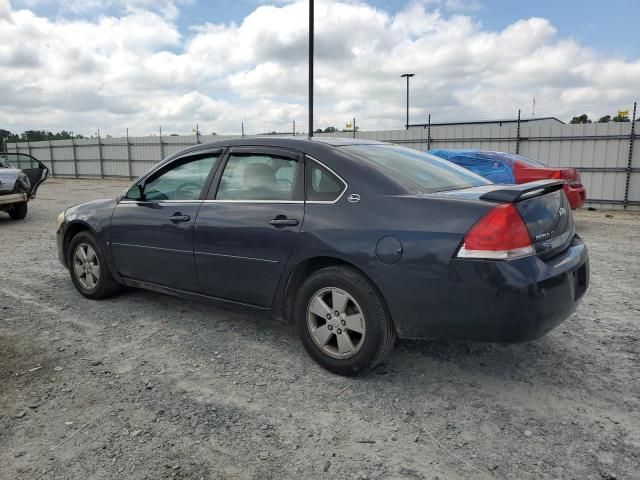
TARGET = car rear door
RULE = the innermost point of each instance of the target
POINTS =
(247, 226)
(152, 238)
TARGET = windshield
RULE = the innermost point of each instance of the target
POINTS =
(424, 172)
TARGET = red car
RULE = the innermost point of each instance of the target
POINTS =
(527, 170)
(503, 167)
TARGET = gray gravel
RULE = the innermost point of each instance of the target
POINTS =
(149, 386)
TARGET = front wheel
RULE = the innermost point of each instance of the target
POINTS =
(19, 211)
(88, 268)
(342, 321)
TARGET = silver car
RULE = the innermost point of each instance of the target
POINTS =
(20, 177)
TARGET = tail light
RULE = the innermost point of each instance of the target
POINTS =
(500, 235)
(571, 175)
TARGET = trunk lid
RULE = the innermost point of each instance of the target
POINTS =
(542, 205)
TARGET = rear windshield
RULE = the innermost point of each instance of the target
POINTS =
(530, 161)
(424, 172)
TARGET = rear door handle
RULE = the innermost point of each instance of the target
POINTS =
(282, 221)
(178, 217)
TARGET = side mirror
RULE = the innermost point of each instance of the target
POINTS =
(135, 193)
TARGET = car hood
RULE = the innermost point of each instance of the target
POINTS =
(9, 177)
(96, 212)
(10, 171)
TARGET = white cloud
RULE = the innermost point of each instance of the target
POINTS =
(137, 70)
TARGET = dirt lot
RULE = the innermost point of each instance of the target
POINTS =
(149, 386)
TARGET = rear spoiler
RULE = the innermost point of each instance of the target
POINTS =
(516, 193)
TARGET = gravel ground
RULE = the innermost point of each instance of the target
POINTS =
(149, 386)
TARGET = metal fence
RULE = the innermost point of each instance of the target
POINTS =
(603, 152)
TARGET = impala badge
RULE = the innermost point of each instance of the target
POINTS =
(353, 198)
(562, 211)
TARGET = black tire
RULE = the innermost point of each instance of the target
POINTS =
(380, 334)
(19, 211)
(105, 286)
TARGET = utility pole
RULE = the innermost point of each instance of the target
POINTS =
(407, 76)
(311, 68)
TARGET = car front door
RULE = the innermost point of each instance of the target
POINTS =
(247, 226)
(152, 228)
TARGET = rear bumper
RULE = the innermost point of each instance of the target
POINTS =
(576, 195)
(492, 301)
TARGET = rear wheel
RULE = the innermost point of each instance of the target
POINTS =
(19, 211)
(88, 268)
(342, 321)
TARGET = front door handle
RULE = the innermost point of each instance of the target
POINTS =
(283, 221)
(178, 217)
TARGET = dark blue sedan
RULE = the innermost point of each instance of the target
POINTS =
(355, 242)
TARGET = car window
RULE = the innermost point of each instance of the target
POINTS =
(421, 171)
(19, 160)
(184, 181)
(322, 185)
(530, 162)
(257, 177)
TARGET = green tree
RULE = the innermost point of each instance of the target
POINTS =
(621, 118)
(330, 130)
(581, 119)
(605, 119)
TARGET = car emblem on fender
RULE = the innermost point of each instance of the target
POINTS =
(353, 198)
(562, 211)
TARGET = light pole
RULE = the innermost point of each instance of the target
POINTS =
(408, 76)
(310, 68)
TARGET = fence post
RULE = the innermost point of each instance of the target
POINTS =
(518, 135)
(51, 157)
(632, 136)
(294, 128)
(197, 133)
(429, 133)
(242, 129)
(75, 157)
(161, 146)
(100, 155)
(354, 127)
(129, 156)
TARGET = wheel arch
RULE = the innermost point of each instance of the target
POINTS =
(71, 231)
(307, 267)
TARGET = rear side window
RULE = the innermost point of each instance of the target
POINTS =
(420, 171)
(258, 177)
(322, 185)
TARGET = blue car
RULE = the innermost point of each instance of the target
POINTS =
(354, 242)
(495, 166)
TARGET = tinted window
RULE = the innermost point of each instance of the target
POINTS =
(184, 181)
(257, 177)
(322, 185)
(421, 171)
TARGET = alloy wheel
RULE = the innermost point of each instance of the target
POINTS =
(336, 322)
(86, 266)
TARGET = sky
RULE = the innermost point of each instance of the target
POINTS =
(85, 65)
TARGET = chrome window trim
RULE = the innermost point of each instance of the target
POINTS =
(344, 182)
(253, 201)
